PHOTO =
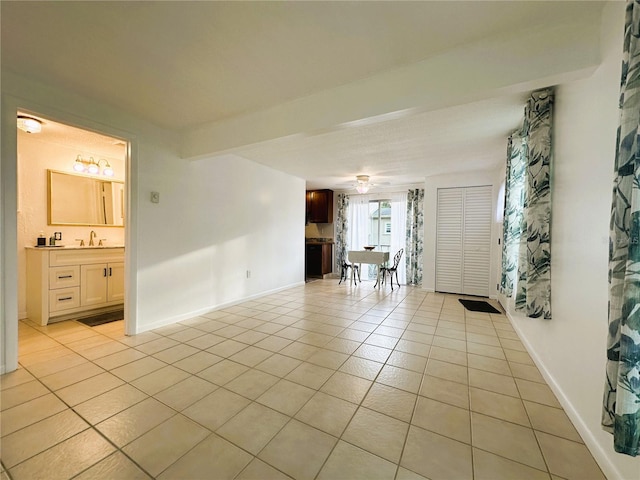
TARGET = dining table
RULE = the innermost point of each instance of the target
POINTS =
(370, 257)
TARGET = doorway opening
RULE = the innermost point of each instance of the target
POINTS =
(71, 222)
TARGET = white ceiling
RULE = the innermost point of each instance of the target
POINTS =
(217, 66)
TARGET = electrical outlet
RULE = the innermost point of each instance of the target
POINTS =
(248, 273)
(155, 197)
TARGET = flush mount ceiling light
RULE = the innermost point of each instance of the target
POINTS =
(362, 183)
(29, 124)
(91, 166)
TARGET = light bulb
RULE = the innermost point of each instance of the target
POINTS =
(93, 167)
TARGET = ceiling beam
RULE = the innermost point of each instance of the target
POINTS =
(501, 65)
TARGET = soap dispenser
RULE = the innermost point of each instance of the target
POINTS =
(42, 240)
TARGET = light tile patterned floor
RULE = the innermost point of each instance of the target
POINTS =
(321, 381)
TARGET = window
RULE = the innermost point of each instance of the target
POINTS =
(380, 224)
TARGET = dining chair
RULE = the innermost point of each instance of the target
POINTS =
(391, 270)
(345, 269)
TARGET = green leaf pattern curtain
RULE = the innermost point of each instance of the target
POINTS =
(533, 294)
(341, 230)
(513, 209)
(621, 410)
(526, 250)
(415, 235)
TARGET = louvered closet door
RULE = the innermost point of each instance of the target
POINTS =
(449, 240)
(463, 244)
(476, 241)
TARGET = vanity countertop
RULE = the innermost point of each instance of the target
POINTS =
(72, 247)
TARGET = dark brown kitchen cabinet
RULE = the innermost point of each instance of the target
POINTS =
(318, 259)
(319, 206)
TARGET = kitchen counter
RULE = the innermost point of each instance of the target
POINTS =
(72, 247)
(318, 241)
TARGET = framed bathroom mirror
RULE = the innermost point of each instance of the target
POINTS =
(84, 200)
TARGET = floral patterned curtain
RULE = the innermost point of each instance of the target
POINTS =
(513, 204)
(415, 235)
(533, 293)
(527, 221)
(341, 230)
(621, 412)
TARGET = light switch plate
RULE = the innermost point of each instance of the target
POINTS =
(155, 197)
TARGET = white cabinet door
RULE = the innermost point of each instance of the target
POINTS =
(463, 240)
(93, 284)
(115, 288)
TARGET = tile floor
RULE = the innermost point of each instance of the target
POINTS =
(321, 381)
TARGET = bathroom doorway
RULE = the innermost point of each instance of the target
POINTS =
(71, 197)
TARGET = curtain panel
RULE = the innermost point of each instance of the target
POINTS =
(342, 232)
(526, 254)
(415, 236)
(621, 409)
(513, 209)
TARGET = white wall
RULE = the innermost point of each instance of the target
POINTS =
(570, 349)
(217, 218)
(432, 185)
(35, 157)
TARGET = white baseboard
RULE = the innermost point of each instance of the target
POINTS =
(595, 447)
(195, 313)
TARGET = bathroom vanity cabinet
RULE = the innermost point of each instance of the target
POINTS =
(69, 282)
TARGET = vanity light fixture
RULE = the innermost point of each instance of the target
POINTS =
(92, 167)
(362, 183)
(29, 124)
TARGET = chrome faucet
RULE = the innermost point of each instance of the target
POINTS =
(92, 235)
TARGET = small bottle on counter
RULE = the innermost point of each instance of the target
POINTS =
(52, 241)
(42, 240)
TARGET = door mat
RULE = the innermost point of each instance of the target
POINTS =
(478, 306)
(102, 318)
